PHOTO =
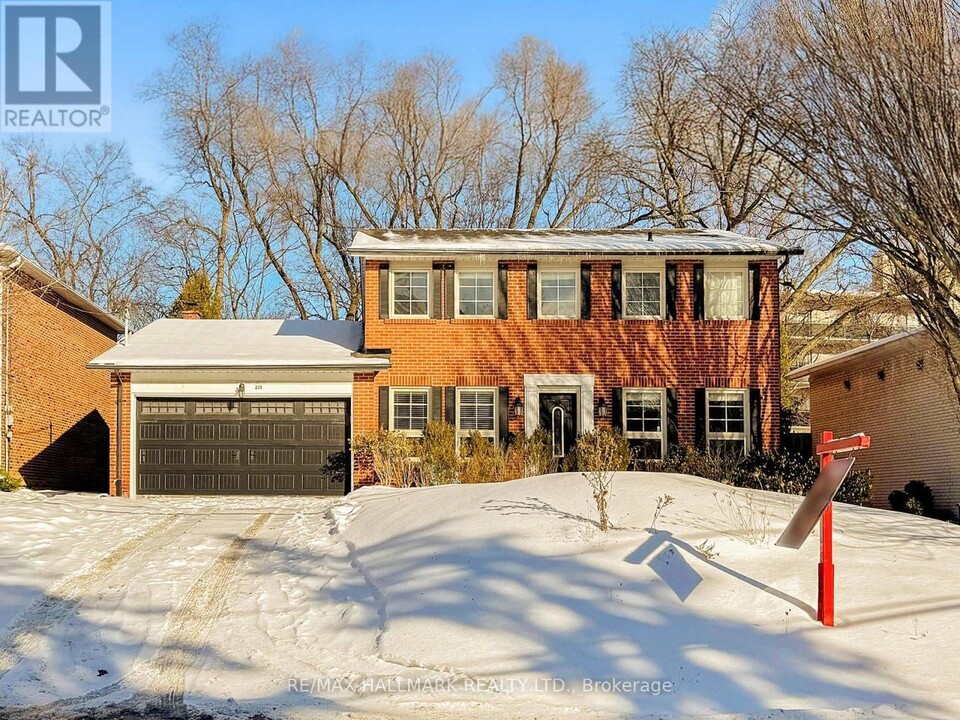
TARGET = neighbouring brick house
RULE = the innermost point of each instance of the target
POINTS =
(57, 415)
(897, 391)
(670, 335)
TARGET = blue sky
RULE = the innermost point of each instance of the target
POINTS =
(596, 33)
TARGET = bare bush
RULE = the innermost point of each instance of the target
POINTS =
(601, 453)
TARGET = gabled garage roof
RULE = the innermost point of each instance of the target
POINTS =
(663, 241)
(224, 344)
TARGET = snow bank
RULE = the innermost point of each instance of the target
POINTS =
(501, 600)
(515, 580)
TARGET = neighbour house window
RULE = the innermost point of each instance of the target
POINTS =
(409, 410)
(642, 293)
(726, 294)
(411, 293)
(644, 422)
(475, 294)
(558, 294)
(726, 422)
(476, 412)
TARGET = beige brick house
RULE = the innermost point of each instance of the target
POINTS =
(897, 391)
(57, 415)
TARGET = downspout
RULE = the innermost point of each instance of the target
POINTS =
(6, 406)
(118, 465)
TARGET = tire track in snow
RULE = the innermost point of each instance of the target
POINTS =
(185, 632)
(62, 598)
(161, 679)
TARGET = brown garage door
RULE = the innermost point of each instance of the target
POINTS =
(243, 447)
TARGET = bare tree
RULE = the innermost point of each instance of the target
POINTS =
(871, 118)
(84, 214)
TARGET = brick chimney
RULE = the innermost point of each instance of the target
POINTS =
(190, 312)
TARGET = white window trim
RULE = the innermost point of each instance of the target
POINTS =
(662, 435)
(745, 435)
(393, 306)
(576, 292)
(661, 270)
(745, 296)
(456, 290)
(494, 434)
(393, 391)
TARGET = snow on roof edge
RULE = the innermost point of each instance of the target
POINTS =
(841, 358)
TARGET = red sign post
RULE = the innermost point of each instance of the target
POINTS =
(826, 450)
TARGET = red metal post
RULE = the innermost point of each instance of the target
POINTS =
(826, 570)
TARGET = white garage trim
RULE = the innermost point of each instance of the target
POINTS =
(227, 385)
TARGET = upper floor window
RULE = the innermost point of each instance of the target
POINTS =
(411, 293)
(558, 294)
(409, 409)
(643, 421)
(643, 293)
(726, 294)
(476, 412)
(726, 422)
(475, 294)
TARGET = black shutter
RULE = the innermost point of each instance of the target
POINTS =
(384, 278)
(698, 303)
(449, 306)
(756, 410)
(436, 301)
(673, 433)
(670, 292)
(585, 270)
(532, 291)
(503, 413)
(700, 415)
(616, 291)
(617, 418)
(754, 277)
(384, 407)
(450, 402)
(436, 403)
(502, 279)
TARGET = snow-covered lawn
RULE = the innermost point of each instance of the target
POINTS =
(472, 601)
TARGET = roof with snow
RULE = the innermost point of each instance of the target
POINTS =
(837, 361)
(13, 259)
(262, 344)
(670, 241)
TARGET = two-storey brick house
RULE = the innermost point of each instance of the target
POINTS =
(670, 335)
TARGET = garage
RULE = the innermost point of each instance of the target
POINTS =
(236, 407)
(242, 447)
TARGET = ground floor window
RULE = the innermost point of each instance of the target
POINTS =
(476, 412)
(726, 422)
(409, 409)
(643, 415)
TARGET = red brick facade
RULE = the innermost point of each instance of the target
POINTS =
(684, 354)
(63, 414)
